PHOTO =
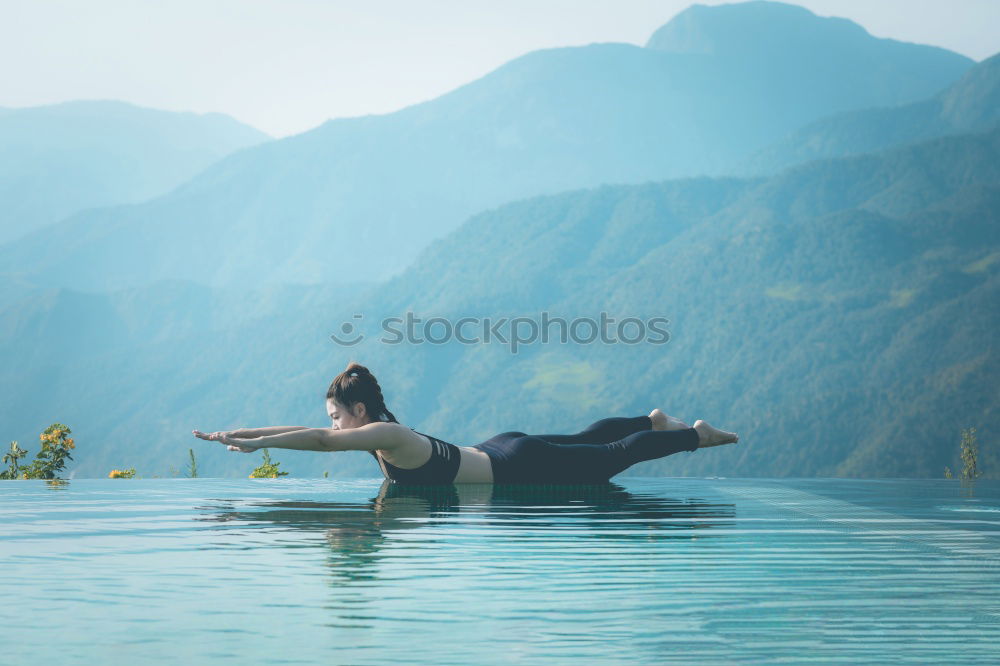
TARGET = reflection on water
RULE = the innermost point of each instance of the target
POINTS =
(603, 513)
(638, 571)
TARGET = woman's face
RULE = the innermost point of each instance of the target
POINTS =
(342, 418)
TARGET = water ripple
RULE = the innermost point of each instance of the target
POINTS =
(643, 571)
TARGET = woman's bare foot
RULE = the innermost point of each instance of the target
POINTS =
(709, 436)
(663, 422)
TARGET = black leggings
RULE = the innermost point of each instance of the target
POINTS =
(605, 448)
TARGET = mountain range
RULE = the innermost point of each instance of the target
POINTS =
(843, 331)
(830, 277)
(58, 160)
(361, 196)
(971, 104)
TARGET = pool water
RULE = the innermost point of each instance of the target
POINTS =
(638, 571)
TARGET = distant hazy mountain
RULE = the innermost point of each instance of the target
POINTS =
(841, 316)
(357, 198)
(971, 104)
(60, 159)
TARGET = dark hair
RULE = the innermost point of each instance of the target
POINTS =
(358, 384)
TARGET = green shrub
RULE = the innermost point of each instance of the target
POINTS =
(56, 445)
(267, 469)
(192, 465)
(122, 473)
(970, 455)
(10, 459)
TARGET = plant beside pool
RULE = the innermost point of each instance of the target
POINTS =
(48, 462)
(267, 469)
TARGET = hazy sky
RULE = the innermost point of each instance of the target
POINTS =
(285, 66)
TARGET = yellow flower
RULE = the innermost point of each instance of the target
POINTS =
(70, 444)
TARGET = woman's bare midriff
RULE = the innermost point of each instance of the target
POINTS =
(475, 466)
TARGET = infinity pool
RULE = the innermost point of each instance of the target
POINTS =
(638, 571)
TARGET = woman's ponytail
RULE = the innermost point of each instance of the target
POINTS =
(357, 384)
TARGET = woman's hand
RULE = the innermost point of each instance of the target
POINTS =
(229, 438)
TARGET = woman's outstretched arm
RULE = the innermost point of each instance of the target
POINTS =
(379, 435)
(246, 433)
(251, 433)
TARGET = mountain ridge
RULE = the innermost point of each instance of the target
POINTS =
(549, 121)
(819, 313)
(970, 104)
(59, 159)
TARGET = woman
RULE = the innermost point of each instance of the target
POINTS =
(360, 421)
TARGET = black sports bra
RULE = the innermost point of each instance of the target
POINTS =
(442, 467)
